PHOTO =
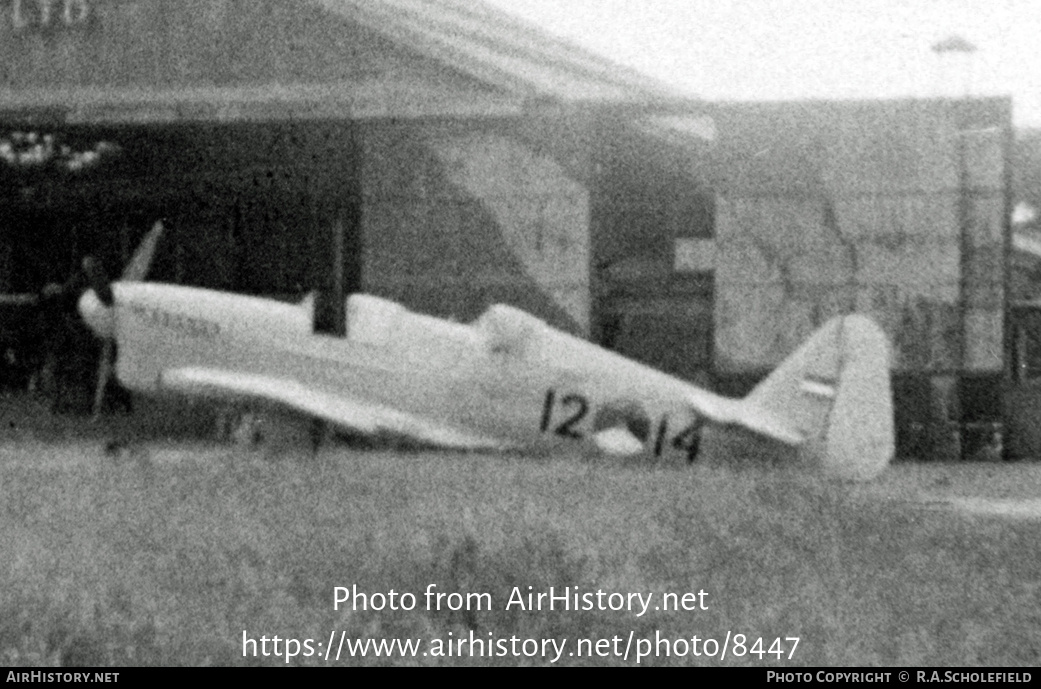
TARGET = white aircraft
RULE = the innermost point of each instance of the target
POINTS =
(507, 381)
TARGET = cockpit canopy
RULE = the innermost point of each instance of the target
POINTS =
(510, 331)
(501, 330)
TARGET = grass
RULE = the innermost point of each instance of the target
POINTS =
(138, 561)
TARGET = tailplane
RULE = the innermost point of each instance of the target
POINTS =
(834, 392)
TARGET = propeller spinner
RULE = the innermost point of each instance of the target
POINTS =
(95, 306)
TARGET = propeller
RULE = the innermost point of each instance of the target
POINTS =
(98, 281)
(137, 268)
(96, 306)
(104, 373)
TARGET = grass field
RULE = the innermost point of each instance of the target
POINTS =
(165, 556)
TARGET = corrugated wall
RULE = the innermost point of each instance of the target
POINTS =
(894, 210)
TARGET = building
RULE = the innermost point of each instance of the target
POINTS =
(437, 152)
(445, 155)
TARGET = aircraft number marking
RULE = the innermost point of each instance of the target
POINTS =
(688, 440)
(663, 428)
(579, 406)
(186, 325)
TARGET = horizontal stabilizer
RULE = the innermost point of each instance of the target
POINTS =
(766, 423)
(834, 394)
(727, 412)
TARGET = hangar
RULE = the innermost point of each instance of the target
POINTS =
(445, 155)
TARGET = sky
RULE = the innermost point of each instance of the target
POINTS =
(794, 49)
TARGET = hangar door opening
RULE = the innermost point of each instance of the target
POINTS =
(671, 335)
(652, 303)
(248, 208)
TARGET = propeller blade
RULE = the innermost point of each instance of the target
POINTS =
(98, 282)
(104, 371)
(137, 269)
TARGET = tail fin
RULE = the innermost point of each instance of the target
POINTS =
(835, 391)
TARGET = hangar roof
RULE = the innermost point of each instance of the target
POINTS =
(213, 60)
(497, 48)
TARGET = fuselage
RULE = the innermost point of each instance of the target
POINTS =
(506, 375)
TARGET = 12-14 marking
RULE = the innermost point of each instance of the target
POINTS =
(562, 416)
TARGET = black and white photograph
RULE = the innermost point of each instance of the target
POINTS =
(521, 333)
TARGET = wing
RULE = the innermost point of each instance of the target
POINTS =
(741, 413)
(363, 417)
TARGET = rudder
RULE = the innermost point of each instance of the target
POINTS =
(859, 440)
(835, 391)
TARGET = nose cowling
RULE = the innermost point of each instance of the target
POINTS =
(98, 317)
